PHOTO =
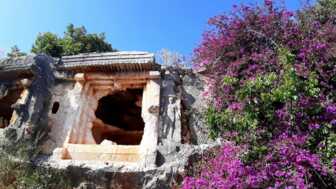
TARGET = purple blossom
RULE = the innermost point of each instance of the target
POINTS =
(235, 106)
(282, 114)
(284, 127)
(331, 109)
(227, 170)
(333, 122)
(314, 126)
(333, 164)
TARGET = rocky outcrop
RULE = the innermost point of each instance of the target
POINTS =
(56, 103)
(171, 167)
(194, 105)
(29, 125)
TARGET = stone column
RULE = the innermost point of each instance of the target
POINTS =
(150, 115)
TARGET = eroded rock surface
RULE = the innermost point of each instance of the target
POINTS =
(55, 114)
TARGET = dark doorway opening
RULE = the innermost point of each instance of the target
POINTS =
(119, 118)
(6, 103)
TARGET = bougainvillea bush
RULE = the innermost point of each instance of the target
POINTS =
(271, 90)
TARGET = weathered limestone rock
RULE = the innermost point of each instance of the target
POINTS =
(150, 99)
(30, 119)
(184, 89)
(77, 138)
(97, 174)
(67, 95)
(170, 131)
(70, 110)
(193, 106)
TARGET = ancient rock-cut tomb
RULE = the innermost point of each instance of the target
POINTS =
(116, 112)
(112, 117)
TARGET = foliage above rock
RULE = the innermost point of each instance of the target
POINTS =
(75, 41)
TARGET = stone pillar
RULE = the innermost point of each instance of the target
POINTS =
(150, 115)
(74, 97)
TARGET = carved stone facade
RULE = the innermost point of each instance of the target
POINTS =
(117, 112)
(81, 140)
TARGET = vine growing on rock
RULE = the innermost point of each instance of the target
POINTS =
(271, 90)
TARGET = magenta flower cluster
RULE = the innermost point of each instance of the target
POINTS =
(287, 165)
(271, 89)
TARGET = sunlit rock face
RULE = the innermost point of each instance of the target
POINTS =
(119, 114)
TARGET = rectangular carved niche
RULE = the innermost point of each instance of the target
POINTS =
(114, 120)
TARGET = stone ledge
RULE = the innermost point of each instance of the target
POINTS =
(121, 153)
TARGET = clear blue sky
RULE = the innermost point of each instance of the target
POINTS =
(148, 25)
